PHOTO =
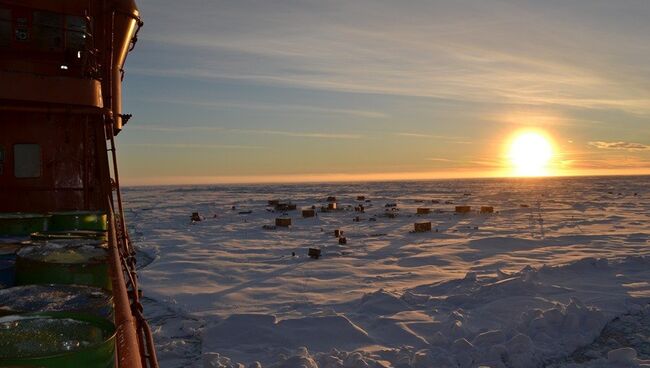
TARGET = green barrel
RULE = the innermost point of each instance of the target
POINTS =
(56, 340)
(78, 220)
(56, 298)
(66, 242)
(19, 224)
(56, 263)
(73, 234)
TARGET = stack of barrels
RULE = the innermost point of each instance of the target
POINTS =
(56, 305)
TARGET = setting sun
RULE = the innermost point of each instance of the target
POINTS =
(530, 154)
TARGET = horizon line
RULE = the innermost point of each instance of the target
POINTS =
(342, 178)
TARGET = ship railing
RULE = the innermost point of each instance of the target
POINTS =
(127, 257)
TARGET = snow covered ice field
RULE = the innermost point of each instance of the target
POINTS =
(563, 282)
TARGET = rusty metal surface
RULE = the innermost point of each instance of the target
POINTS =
(72, 151)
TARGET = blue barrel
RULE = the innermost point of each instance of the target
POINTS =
(7, 273)
(8, 264)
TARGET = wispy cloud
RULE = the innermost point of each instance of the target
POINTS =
(192, 146)
(414, 135)
(487, 163)
(467, 163)
(300, 134)
(424, 49)
(173, 129)
(626, 146)
(436, 159)
(276, 107)
(297, 134)
(612, 163)
(424, 135)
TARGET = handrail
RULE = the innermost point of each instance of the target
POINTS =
(125, 322)
(126, 253)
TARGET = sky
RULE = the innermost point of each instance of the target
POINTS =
(324, 90)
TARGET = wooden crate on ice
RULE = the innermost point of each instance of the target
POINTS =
(283, 221)
(422, 227)
(314, 253)
(423, 211)
(487, 209)
(463, 209)
(285, 207)
(308, 213)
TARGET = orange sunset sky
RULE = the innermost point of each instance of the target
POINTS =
(281, 91)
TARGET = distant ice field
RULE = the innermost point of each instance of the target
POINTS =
(562, 263)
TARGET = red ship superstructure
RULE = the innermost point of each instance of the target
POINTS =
(61, 70)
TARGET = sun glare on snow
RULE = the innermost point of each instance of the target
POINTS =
(530, 153)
